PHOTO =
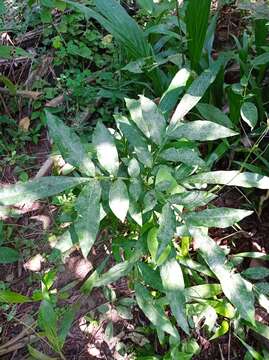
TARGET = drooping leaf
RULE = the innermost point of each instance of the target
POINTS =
(218, 217)
(87, 223)
(69, 144)
(136, 140)
(173, 283)
(106, 149)
(21, 193)
(119, 199)
(8, 255)
(167, 228)
(10, 297)
(192, 199)
(232, 178)
(112, 16)
(235, 288)
(184, 155)
(201, 130)
(249, 114)
(153, 312)
(213, 114)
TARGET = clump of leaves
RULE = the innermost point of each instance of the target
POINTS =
(150, 175)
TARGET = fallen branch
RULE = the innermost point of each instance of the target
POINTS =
(34, 95)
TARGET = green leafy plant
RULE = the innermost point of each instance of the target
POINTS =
(151, 176)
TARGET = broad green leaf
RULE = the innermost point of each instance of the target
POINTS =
(70, 145)
(88, 209)
(21, 193)
(262, 59)
(166, 229)
(222, 330)
(184, 155)
(47, 320)
(8, 83)
(144, 112)
(10, 297)
(135, 189)
(164, 180)
(249, 114)
(217, 217)
(90, 282)
(213, 114)
(154, 119)
(8, 255)
(223, 308)
(133, 168)
(38, 355)
(263, 287)
(152, 242)
(205, 291)
(135, 138)
(107, 153)
(64, 242)
(235, 288)
(135, 212)
(170, 97)
(150, 276)
(119, 199)
(66, 323)
(255, 273)
(135, 110)
(197, 89)
(200, 130)
(117, 271)
(232, 178)
(173, 283)
(196, 266)
(192, 199)
(153, 312)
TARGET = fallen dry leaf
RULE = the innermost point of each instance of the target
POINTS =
(24, 124)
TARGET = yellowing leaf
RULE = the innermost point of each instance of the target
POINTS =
(24, 123)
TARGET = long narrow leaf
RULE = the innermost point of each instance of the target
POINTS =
(37, 189)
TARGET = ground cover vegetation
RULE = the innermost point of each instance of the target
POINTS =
(135, 183)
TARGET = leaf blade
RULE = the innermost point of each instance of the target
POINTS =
(119, 199)
(107, 153)
(88, 208)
